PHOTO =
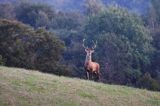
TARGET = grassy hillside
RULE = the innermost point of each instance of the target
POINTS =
(20, 87)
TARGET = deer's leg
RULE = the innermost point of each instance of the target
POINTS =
(94, 76)
(87, 75)
(98, 76)
(91, 75)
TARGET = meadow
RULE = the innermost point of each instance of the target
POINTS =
(21, 87)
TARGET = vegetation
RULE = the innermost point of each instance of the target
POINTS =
(124, 43)
(128, 42)
(22, 87)
(22, 46)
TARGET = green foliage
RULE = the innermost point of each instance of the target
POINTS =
(148, 82)
(36, 15)
(66, 21)
(93, 7)
(123, 42)
(41, 15)
(25, 47)
(154, 25)
(156, 6)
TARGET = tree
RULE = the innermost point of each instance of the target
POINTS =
(124, 43)
(156, 6)
(148, 82)
(36, 15)
(67, 21)
(152, 20)
(93, 7)
(22, 46)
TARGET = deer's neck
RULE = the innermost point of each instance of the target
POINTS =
(88, 58)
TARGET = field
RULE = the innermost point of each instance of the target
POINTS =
(20, 87)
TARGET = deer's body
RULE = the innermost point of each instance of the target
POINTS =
(89, 65)
(92, 68)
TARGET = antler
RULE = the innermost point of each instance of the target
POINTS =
(84, 45)
(95, 44)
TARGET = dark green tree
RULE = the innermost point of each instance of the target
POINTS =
(93, 7)
(36, 15)
(124, 44)
(152, 20)
(148, 82)
(25, 47)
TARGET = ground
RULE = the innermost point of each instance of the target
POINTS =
(20, 87)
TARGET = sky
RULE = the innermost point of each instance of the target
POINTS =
(137, 6)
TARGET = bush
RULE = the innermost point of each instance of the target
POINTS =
(25, 47)
(148, 82)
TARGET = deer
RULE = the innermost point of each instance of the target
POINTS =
(91, 68)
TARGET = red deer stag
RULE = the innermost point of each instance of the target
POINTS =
(92, 68)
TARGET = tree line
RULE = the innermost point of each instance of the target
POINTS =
(37, 36)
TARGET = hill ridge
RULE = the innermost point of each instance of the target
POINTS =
(21, 87)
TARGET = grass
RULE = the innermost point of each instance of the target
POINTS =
(20, 87)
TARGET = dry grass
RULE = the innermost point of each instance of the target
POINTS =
(20, 87)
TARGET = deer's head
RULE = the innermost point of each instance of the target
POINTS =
(89, 51)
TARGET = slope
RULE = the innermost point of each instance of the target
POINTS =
(20, 87)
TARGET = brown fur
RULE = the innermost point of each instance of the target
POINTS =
(92, 68)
